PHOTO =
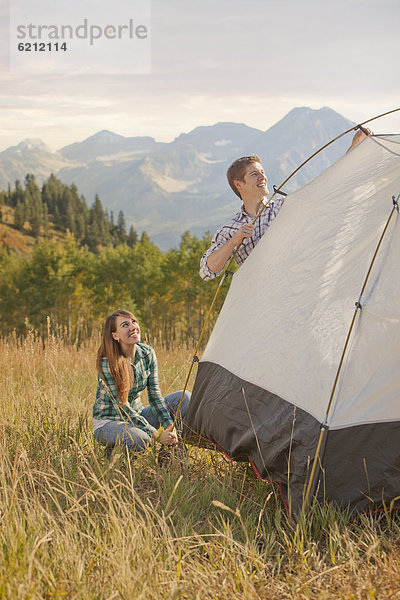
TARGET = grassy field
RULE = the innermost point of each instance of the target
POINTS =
(77, 525)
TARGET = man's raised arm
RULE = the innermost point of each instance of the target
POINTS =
(215, 258)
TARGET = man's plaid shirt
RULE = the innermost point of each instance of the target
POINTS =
(145, 375)
(224, 233)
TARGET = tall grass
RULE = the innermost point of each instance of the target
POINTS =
(76, 524)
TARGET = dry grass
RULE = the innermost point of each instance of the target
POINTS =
(79, 526)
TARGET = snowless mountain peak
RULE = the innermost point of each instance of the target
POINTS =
(29, 144)
(169, 188)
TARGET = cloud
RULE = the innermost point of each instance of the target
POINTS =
(212, 61)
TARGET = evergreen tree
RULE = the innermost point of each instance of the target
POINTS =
(144, 238)
(52, 191)
(19, 215)
(121, 229)
(17, 194)
(67, 211)
(80, 213)
(98, 232)
(45, 219)
(132, 238)
(81, 224)
(33, 204)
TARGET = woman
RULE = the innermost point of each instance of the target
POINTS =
(125, 368)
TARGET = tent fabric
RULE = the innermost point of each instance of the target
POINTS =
(264, 381)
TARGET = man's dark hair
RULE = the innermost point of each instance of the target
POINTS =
(237, 169)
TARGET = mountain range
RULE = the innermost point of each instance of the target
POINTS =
(168, 188)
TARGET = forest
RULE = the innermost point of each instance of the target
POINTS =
(70, 283)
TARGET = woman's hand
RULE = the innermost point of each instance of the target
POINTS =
(172, 436)
(168, 436)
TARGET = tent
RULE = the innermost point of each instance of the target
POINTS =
(283, 372)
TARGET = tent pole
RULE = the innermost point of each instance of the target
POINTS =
(227, 272)
(314, 466)
(206, 319)
(339, 369)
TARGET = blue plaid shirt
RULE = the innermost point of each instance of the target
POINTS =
(145, 375)
(224, 233)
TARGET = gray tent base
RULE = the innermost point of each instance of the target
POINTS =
(359, 466)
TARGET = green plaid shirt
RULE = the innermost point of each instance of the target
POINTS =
(145, 375)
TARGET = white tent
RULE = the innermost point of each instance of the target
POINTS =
(265, 380)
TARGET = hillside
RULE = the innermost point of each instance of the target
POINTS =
(21, 242)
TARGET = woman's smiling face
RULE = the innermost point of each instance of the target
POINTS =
(127, 331)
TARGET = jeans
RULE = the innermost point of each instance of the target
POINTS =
(135, 438)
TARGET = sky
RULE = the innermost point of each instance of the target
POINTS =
(211, 60)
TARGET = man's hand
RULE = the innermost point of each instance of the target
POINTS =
(245, 231)
(358, 137)
(218, 259)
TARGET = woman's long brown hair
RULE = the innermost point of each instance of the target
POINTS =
(109, 348)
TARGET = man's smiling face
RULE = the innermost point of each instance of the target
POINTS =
(254, 184)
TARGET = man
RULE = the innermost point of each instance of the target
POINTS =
(247, 179)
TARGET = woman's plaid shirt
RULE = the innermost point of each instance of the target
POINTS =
(145, 375)
(224, 233)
